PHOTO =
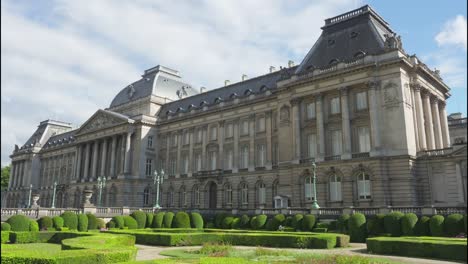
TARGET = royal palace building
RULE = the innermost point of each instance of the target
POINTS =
(372, 117)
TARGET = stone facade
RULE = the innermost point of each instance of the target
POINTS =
(370, 116)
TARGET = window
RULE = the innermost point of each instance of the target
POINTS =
(363, 183)
(183, 197)
(336, 142)
(244, 194)
(364, 139)
(310, 110)
(172, 167)
(261, 193)
(261, 124)
(170, 198)
(261, 155)
(335, 188)
(274, 190)
(213, 160)
(214, 133)
(149, 167)
(361, 101)
(185, 163)
(150, 142)
(186, 138)
(229, 130)
(245, 127)
(335, 105)
(308, 188)
(245, 157)
(146, 193)
(198, 162)
(312, 145)
(174, 140)
(228, 194)
(229, 159)
(199, 135)
(275, 153)
(196, 196)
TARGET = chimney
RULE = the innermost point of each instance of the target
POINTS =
(244, 77)
(226, 82)
(202, 89)
(290, 63)
(272, 69)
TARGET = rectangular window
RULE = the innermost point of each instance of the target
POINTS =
(261, 124)
(184, 164)
(364, 139)
(261, 156)
(312, 145)
(199, 135)
(172, 166)
(150, 141)
(261, 195)
(229, 159)
(229, 130)
(310, 110)
(198, 162)
(174, 140)
(213, 160)
(214, 133)
(245, 127)
(245, 157)
(336, 142)
(186, 138)
(308, 190)
(364, 189)
(361, 101)
(335, 105)
(149, 167)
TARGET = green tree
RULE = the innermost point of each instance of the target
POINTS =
(5, 176)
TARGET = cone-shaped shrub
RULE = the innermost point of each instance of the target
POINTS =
(158, 220)
(342, 224)
(45, 222)
(296, 222)
(436, 225)
(408, 224)
(130, 222)
(119, 221)
(422, 227)
(140, 217)
(308, 222)
(276, 221)
(454, 225)
(19, 223)
(33, 226)
(70, 220)
(227, 222)
(58, 221)
(82, 223)
(392, 223)
(357, 228)
(92, 221)
(244, 221)
(100, 223)
(182, 220)
(110, 224)
(149, 219)
(375, 225)
(6, 227)
(236, 223)
(168, 217)
(197, 220)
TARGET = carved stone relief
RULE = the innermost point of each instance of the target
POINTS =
(284, 113)
(390, 93)
(101, 120)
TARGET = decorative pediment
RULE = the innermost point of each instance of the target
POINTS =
(103, 119)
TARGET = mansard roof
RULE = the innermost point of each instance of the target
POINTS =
(61, 139)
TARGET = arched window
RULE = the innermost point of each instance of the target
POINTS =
(335, 188)
(228, 194)
(196, 196)
(363, 186)
(182, 197)
(308, 181)
(261, 193)
(244, 192)
(146, 193)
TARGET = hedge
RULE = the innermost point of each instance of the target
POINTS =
(70, 220)
(342, 224)
(236, 223)
(288, 221)
(82, 222)
(119, 221)
(436, 225)
(422, 226)
(308, 222)
(111, 224)
(6, 227)
(19, 223)
(259, 221)
(100, 223)
(244, 221)
(425, 247)
(320, 230)
(33, 226)
(296, 222)
(408, 224)
(58, 221)
(392, 223)
(158, 220)
(5, 236)
(219, 219)
(252, 221)
(454, 224)
(227, 222)
(357, 228)
(464, 219)
(130, 222)
(45, 222)
(277, 221)
(168, 217)
(181, 220)
(197, 220)
(149, 219)
(375, 225)
(140, 218)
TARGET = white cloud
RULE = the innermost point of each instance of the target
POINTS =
(453, 33)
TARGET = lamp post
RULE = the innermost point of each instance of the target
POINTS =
(29, 198)
(101, 184)
(314, 203)
(158, 178)
(53, 195)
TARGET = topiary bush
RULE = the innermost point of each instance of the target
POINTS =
(130, 222)
(296, 221)
(197, 220)
(219, 219)
(259, 221)
(33, 226)
(422, 226)
(168, 217)
(252, 222)
(308, 222)
(464, 219)
(182, 220)
(45, 222)
(288, 221)
(119, 221)
(6, 227)
(375, 225)
(408, 224)
(357, 228)
(158, 220)
(100, 223)
(140, 217)
(454, 225)
(342, 224)
(19, 223)
(58, 221)
(244, 221)
(436, 225)
(149, 219)
(276, 221)
(392, 223)
(70, 220)
(111, 224)
(227, 222)
(82, 222)
(92, 221)
(236, 223)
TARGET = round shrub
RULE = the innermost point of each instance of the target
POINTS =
(82, 222)
(408, 223)
(182, 220)
(33, 226)
(288, 221)
(422, 227)
(436, 225)
(45, 222)
(6, 227)
(392, 223)
(252, 222)
(70, 220)
(219, 219)
(119, 221)
(58, 221)
(357, 228)
(259, 221)
(454, 224)
(236, 223)
(92, 221)
(149, 219)
(110, 224)
(140, 217)
(375, 225)
(296, 221)
(244, 221)
(168, 217)
(276, 221)
(308, 222)
(227, 222)
(100, 223)
(158, 220)
(130, 222)
(269, 224)
(342, 224)
(19, 223)
(197, 220)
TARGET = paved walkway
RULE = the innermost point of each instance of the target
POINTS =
(152, 252)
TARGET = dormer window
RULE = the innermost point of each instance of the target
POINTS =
(180, 109)
(218, 100)
(359, 54)
(248, 92)
(203, 103)
(191, 106)
(334, 61)
(168, 113)
(233, 96)
(264, 88)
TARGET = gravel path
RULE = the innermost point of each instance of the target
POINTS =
(152, 252)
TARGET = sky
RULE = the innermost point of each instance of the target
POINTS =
(65, 59)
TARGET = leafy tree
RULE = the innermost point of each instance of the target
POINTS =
(5, 176)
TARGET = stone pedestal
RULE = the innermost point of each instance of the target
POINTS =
(88, 194)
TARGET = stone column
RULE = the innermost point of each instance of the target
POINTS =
(204, 135)
(429, 127)
(415, 122)
(444, 125)
(103, 157)
(78, 162)
(252, 143)
(268, 127)
(220, 160)
(94, 161)
(122, 154)
(20, 183)
(296, 129)
(374, 117)
(113, 154)
(168, 146)
(179, 148)
(127, 166)
(191, 132)
(420, 117)
(320, 128)
(86, 163)
(235, 154)
(346, 127)
(12, 173)
(436, 119)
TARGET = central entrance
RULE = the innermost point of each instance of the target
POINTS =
(212, 195)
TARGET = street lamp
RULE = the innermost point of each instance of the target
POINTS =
(53, 196)
(101, 184)
(29, 199)
(158, 178)
(314, 203)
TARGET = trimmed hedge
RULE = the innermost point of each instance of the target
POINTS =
(392, 223)
(6, 227)
(276, 221)
(19, 223)
(158, 220)
(70, 220)
(181, 220)
(45, 222)
(342, 224)
(436, 225)
(454, 224)
(197, 220)
(130, 222)
(82, 222)
(464, 219)
(296, 221)
(219, 219)
(357, 228)
(168, 219)
(288, 221)
(33, 226)
(100, 223)
(408, 224)
(375, 225)
(422, 226)
(110, 224)
(425, 247)
(140, 218)
(308, 222)
(149, 219)
(236, 223)
(227, 222)
(119, 221)
(58, 221)
(5, 236)
(244, 221)
(259, 221)
(92, 221)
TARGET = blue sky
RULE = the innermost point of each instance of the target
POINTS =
(63, 59)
